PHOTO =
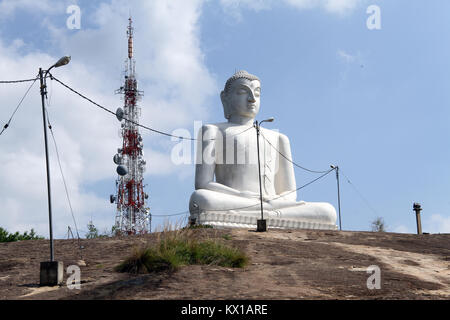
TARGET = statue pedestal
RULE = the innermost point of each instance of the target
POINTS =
(249, 221)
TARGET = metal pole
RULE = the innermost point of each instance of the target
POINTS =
(43, 93)
(259, 227)
(339, 197)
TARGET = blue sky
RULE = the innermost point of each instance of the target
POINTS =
(373, 102)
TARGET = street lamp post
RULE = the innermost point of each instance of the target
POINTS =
(339, 195)
(43, 93)
(261, 224)
(51, 271)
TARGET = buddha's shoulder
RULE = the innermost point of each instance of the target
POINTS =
(274, 134)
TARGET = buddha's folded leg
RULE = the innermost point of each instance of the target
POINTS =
(203, 200)
(310, 211)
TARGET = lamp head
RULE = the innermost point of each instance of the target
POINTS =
(271, 119)
(62, 62)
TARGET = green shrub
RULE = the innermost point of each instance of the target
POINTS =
(92, 231)
(378, 225)
(144, 260)
(199, 226)
(5, 236)
(171, 252)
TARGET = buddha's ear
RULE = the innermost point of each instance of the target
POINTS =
(226, 107)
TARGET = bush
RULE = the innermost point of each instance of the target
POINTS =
(5, 236)
(178, 249)
(144, 260)
(94, 234)
(92, 231)
(199, 226)
(378, 225)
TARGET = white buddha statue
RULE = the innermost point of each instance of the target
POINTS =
(227, 192)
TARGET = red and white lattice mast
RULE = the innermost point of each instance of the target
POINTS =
(133, 216)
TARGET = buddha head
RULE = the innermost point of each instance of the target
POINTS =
(241, 95)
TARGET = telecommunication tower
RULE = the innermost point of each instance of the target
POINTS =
(132, 217)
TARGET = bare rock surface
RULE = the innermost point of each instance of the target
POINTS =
(284, 264)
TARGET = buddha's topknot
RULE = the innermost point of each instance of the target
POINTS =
(238, 75)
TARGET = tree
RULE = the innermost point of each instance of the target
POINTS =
(378, 225)
(92, 231)
(115, 231)
(5, 236)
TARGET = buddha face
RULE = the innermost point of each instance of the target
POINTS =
(243, 98)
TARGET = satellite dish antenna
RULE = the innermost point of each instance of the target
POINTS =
(117, 159)
(119, 114)
(121, 170)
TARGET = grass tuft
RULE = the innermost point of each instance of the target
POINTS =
(227, 236)
(199, 226)
(178, 248)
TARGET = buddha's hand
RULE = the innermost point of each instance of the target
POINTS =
(249, 194)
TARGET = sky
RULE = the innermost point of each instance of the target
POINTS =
(373, 101)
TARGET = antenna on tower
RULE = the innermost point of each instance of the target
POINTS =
(130, 38)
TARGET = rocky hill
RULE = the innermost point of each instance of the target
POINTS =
(284, 264)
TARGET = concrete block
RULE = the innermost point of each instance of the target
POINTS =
(52, 273)
(261, 225)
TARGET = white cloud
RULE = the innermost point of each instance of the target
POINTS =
(9, 7)
(160, 163)
(436, 224)
(171, 71)
(256, 5)
(401, 229)
(339, 7)
(332, 6)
